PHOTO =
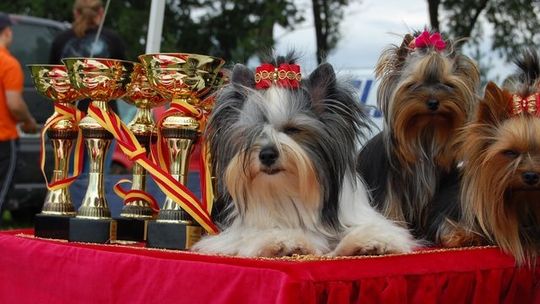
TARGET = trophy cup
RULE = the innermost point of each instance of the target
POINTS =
(185, 79)
(52, 81)
(100, 80)
(132, 224)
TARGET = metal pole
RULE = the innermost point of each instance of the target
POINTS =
(99, 28)
(155, 26)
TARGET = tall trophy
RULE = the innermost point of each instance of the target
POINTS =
(184, 79)
(52, 81)
(101, 80)
(132, 224)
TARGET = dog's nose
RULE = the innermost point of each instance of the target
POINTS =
(530, 178)
(432, 104)
(268, 155)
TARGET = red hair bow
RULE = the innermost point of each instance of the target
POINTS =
(286, 76)
(528, 104)
(426, 39)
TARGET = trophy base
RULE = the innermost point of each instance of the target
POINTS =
(92, 230)
(52, 226)
(138, 212)
(172, 235)
(131, 229)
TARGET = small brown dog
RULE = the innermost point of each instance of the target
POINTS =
(426, 93)
(501, 174)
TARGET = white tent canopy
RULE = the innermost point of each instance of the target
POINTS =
(155, 26)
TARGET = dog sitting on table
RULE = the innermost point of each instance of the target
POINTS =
(284, 150)
(427, 91)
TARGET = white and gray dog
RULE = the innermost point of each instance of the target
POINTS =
(285, 158)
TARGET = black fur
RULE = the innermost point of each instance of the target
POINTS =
(375, 168)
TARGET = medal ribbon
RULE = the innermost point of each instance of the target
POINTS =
(171, 187)
(132, 195)
(63, 112)
(180, 106)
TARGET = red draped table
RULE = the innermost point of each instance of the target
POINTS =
(46, 271)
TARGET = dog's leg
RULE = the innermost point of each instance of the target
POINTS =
(367, 231)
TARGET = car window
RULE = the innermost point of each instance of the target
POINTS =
(32, 44)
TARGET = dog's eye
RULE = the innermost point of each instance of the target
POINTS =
(291, 130)
(510, 154)
(450, 85)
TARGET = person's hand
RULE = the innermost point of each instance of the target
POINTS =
(30, 126)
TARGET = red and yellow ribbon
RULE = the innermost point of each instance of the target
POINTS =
(183, 107)
(132, 195)
(63, 112)
(171, 187)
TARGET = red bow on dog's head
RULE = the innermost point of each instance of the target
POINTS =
(285, 76)
(527, 104)
(426, 39)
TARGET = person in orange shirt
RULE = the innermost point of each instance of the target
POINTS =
(13, 109)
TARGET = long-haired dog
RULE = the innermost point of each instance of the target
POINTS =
(426, 92)
(285, 158)
(500, 195)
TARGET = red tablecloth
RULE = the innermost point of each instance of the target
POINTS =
(45, 271)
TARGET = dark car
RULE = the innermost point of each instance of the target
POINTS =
(32, 39)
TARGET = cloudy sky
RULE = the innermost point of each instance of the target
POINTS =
(368, 27)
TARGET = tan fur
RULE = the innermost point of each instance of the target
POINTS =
(495, 200)
(422, 141)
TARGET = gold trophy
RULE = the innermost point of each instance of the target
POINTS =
(52, 81)
(184, 79)
(131, 226)
(100, 80)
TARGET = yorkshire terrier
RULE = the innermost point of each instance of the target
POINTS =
(285, 152)
(500, 193)
(426, 93)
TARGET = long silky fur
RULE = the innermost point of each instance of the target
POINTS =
(491, 214)
(319, 192)
(418, 157)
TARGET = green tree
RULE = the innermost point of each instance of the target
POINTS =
(232, 29)
(327, 16)
(515, 23)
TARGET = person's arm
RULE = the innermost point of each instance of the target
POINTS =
(18, 109)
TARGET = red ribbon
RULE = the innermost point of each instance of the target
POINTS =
(63, 112)
(527, 104)
(285, 76)
(171, 187)
(159, 156)
(426, 39)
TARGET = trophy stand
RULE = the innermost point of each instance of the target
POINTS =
(133, 221)
(53, 221)
(101, 80)
(184, 79)
(53, 82)
(132, 225)
(174, 228)
(93, 223)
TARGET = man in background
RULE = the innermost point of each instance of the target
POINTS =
(13, 109)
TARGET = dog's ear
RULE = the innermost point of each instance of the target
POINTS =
(404, 49)
(322, 83)
(242, 75)
(468, 69)
(392, 59)
(495, 105)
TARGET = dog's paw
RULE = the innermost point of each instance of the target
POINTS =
(461, 237)
(223, 243)
(362, 241)
(278, 243)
